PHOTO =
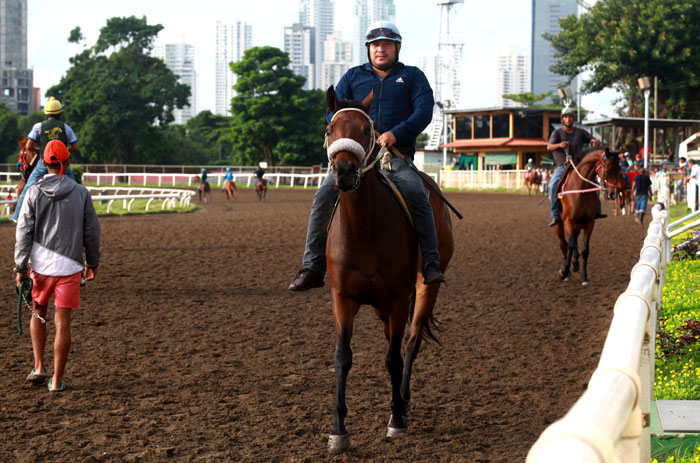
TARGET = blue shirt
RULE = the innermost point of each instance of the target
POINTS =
(403, 100)
(229, 176)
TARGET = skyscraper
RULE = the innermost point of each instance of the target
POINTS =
(513, 74)
(17, 84)
(232, 40)
(317, 14)
(545, 18)
(299, 43)
(367, 12)
(337, 58)
(180, 58)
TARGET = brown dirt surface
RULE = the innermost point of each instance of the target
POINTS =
(189, 346)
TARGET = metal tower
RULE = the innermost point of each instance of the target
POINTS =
(449, 63)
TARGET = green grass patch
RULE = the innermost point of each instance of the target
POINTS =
(139, 207)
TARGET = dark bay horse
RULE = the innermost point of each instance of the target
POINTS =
(230, 189)
(579, 199)
(203, 189)
(373, 258)
(261, 189)
(533, 179)
(623, 197)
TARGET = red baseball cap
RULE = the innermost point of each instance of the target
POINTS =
(56, 151)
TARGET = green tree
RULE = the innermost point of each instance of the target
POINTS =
(212, 132)
(619, 41)
(9, 135)
(115, 94)
(274, 119)
(528, 98)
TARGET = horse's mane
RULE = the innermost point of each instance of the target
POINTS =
(599, 148)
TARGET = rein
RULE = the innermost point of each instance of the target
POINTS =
(352, 146)
(601, 163)
(25, 295)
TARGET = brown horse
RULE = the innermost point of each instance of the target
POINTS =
(623, 197)
(373, 258)
(579, 199)
(203, 189)
(27, 162)
(533, 179)
(261, 189)
(230, 189)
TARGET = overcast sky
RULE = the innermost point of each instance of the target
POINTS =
(485, 27)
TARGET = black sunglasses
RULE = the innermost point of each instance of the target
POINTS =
(382, 32)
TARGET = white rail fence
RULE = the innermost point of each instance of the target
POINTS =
(171, 197)
(610, 421)
(274, 179)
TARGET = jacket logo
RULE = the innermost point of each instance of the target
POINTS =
(399, 80)
(54, 133)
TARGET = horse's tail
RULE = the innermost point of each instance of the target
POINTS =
(427, 323)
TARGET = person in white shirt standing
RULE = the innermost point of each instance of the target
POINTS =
(694, 181)
(56, 223)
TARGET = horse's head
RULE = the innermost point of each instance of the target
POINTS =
(350, 139)
(609, 171)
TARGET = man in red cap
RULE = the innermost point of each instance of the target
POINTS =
(56, 223)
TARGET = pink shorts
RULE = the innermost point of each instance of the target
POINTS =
(66, 290)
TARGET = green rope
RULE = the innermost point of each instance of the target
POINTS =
(24, 292)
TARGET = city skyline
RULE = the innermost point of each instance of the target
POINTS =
(417, 20)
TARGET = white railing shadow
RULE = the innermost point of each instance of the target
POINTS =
(610, 421)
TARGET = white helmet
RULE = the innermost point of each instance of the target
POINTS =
(382, 30)
(529, 160)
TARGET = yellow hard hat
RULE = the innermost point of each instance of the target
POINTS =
(53, 107)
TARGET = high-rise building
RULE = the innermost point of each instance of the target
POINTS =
(299, 43)
(513, 74)
(180, 58)
(545, 18)
(317, 14)
(337, 58)
(17, 83)
(367, 12)
(232, 40)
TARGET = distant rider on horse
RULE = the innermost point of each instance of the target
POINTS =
(259, 174)
(203, 177)
(401, 111)
(228, 177)
(40, 135)
(571, 138)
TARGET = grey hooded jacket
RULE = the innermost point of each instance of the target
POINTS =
(58, 214)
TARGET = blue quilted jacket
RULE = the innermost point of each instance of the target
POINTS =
(403, 100)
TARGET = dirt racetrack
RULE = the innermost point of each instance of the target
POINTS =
(189, 347)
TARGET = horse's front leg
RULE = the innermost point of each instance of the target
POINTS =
(394, 365)
(344, 311)
(585, 251)
(563, 245)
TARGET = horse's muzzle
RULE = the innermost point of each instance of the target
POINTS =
(346, 175)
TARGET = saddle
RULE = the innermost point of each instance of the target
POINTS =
(564, 178)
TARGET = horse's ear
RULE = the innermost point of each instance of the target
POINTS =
(367, 102)
(331, 99)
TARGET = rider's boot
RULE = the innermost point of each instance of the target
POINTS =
(306, 279)
(432, 274)
(555, 220)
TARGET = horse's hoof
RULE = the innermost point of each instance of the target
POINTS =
(338, 443)
(563, 276)
(393, 432)
(584, 283)
(575, 268)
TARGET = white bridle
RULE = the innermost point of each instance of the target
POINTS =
(352, 146)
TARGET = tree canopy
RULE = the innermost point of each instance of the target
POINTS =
(274, 119)
(114, 99)
(619, 41)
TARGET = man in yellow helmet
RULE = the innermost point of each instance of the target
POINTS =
(40, 136)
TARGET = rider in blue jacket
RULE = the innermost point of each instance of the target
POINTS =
(401, 110)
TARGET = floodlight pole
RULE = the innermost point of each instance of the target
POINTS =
(646, 128)
(444, 140)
